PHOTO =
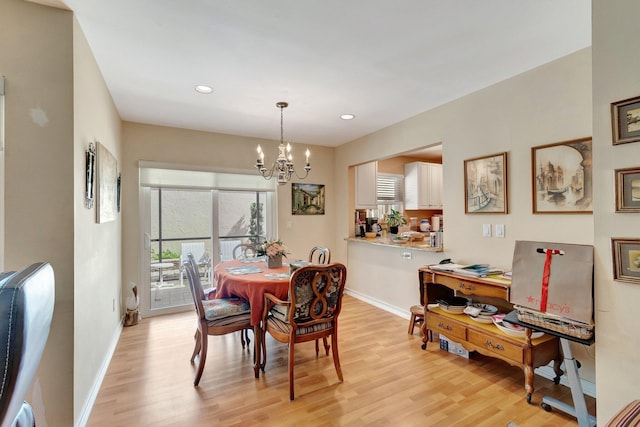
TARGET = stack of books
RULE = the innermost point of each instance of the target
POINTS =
(472, 270)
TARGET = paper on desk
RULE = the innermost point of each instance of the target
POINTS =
(255, 259)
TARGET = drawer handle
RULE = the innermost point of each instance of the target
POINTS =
(442, 326)
(489, 344)
(467, 287)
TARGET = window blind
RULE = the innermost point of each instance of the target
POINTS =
(389, 188)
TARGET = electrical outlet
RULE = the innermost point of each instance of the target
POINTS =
(406, 255)
(500, 230)
(486, 230)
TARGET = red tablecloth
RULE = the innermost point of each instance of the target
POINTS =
(251, 287)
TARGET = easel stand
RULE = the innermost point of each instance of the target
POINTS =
(579, 410)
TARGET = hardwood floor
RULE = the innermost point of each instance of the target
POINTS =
(388, 381)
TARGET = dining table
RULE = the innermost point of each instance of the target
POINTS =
(250, 279)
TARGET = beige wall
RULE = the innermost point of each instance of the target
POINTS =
(551, 103)
(98, 302)
(210, 151)
(616, 76)
(37, 59)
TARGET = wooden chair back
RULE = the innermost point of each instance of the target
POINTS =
(246, 250)
(320, 255)
(316, 294)
(197, 292)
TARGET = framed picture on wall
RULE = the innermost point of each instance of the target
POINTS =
(107, 177)
(626, 260)
(307, 199)
(625, 120)
(486, 184)
(562, 177)
(628, 190)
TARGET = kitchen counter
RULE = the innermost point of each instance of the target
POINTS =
(386, 241)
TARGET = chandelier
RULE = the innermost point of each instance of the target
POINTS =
(282, 168)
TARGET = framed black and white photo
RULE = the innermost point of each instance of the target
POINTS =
(625, 120)
(90, 171)
(626, 259)
(628, 190)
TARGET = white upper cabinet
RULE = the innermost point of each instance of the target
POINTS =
(422, 186)
(366, 186)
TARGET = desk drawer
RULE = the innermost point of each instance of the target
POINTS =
(495, 344)
(473, 287)
(444, 325)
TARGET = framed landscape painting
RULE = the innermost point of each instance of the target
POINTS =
(307, 199)
(486, 184)
(562, 177)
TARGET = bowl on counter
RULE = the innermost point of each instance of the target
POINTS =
(370, 235)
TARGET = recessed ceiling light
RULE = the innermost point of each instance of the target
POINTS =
(347, 116)
(203, 89)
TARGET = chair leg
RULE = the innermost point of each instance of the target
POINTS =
(317, 348)
(196, 348)
(204, 339)
(336, 358)
(326, 345)
(412, 324)
(242, 338)
(291, 362)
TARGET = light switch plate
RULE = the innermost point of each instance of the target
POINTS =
(486, 230)
(499, 230)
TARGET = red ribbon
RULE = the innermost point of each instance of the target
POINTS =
(545, 278)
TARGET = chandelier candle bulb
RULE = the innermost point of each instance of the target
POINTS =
(307, 154)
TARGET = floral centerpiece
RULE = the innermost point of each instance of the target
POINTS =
(274, 250)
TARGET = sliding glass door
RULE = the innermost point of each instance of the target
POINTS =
(204, 222)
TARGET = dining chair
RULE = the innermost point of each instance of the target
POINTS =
(320, 255)
(218, 316)
(312, 310)
(246, 250)
(198, 250)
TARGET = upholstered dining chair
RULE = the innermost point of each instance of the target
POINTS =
(311, 312)
(218, 316)
(320, 255)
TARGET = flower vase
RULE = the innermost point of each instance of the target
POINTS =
(274, 261)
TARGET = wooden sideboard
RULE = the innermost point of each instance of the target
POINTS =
(484, 338)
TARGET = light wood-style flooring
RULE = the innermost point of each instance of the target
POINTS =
(388, 381)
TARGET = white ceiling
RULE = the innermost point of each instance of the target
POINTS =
(382, 60)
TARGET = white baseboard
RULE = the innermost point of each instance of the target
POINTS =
(91, 399)
(380, 304)
(588, 387)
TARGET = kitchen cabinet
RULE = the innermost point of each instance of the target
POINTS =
(366, 197)
(422, 186)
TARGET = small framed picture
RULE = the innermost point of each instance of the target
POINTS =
(485, 180)
(625, 120)
(628, 190)
(626, 260)
(561, 177)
